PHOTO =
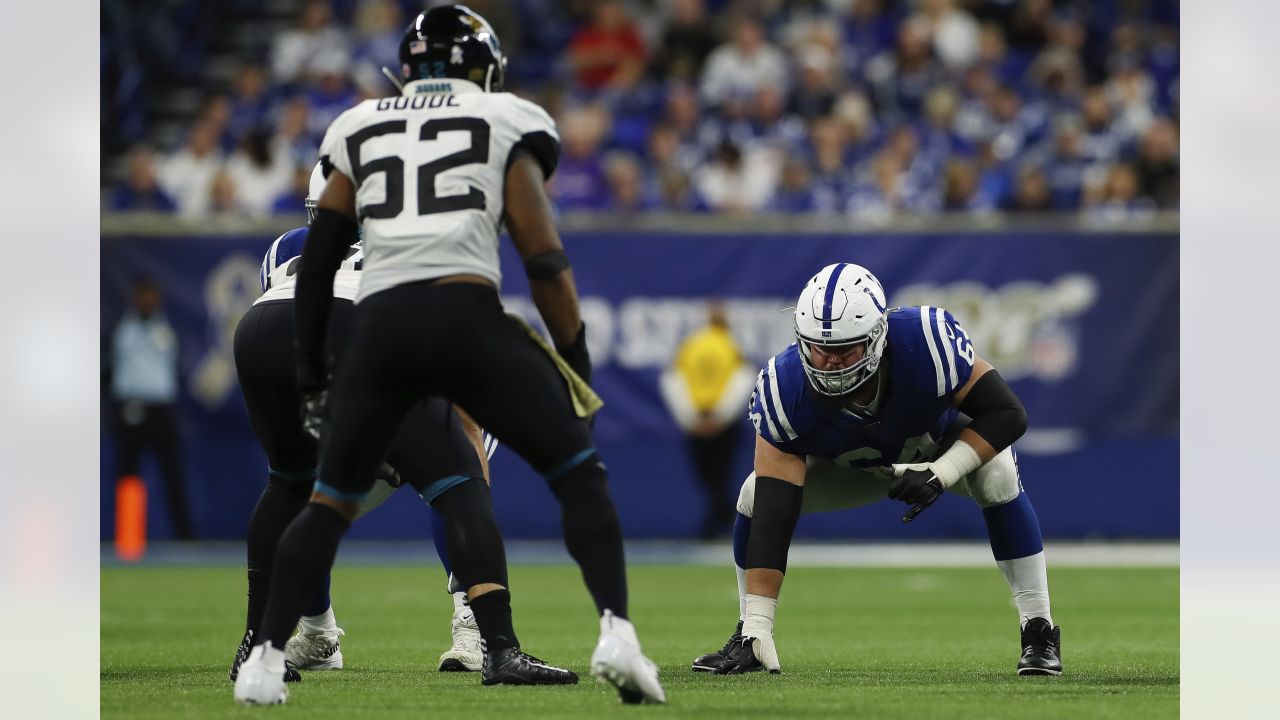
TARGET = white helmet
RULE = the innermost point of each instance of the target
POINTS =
(314, 187)
(842, 306)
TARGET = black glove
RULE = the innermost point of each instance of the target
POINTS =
(917, 488)
(314, 412)
(576, 355)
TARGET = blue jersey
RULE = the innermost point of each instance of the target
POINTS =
(928, 358)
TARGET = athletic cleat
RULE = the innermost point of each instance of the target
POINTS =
(618, 661)
(1041, 648)
(740, 658)
(315, 652)
(466, 655)
(510, 666)
(291, 673)
(260, 679)
(712, 661)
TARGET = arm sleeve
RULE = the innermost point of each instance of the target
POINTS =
(330, 237)
(998, 415)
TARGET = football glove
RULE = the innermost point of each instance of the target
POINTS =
(314, 406)
(917, 485)
(576, 355)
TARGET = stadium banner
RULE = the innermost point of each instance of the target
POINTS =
(1083, 325)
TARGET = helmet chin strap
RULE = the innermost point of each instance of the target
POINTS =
(488, 79)
(394, 80)
(873, 404)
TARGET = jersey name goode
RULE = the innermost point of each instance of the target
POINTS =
(418, 102)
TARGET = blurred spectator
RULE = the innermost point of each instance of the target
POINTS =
(735, 181)
(290, 202)
(1029, 28)
(378, 29)
(222, 195)
(687, 40)
(609, 53)
(625, 176)
(954, 32)
(1103, 140)
(1067, 165)
(704, 390)
(868, 31)
(296, 51)
(816, 83)
(140, 191)
(579, 182)
(249, 103)
(899, 79)
(737, 69)
(1117, 198)
(1130, 90)
(833, 156)
(293, 131)
(960, 191)
(328, 96)
(1031, 192)
(1157, 164)
(143, 377)
(796, 192)
(259, 171)
(187, 175)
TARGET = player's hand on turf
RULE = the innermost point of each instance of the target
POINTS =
(917, 485)
(313, 412)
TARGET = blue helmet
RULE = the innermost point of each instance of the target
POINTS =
(452, 41)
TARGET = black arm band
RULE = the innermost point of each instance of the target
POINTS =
(998, 415)
(775, 513)
(331, 234)
(546, 265)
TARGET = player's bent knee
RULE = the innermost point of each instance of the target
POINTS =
(996, 482)
(348, 508)
(747, 496)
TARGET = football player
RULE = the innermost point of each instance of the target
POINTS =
(430, 177)
(874, 402)
(430, 457)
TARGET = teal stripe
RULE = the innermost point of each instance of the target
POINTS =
(441, 486)
(569, 464)
(337, 494)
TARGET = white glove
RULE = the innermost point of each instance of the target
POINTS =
(757, 624)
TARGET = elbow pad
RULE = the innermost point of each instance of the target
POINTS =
(998, 415)
(776, 511)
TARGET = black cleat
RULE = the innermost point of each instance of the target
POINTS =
(712, 661)
(740, 659)
(291, 673)
(509, 666)
(1041, 645)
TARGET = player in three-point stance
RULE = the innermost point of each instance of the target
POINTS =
(430, 177)
(867, 404)
(430, 457)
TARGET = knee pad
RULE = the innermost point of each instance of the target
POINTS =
(996, 482)
(747, 496)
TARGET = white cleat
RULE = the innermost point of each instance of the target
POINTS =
(261, 677)
(466, 655)
(315, 652)
(618, 661)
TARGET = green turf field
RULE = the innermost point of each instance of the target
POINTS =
(872, 643)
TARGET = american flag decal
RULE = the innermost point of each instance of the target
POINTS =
(417, 46)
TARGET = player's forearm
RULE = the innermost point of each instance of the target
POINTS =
(326, 247)
(557, 302)
(998, 419)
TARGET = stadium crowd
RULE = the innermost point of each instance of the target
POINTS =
(867, 107)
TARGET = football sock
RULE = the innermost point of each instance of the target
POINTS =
(320, 603)
(320, 624)
(493, 616)
(441, 538)
(741, 533)
(303, 558)
(1018, 548)
(592, 533)
(459, 600)
(472, 537)
(279, 504)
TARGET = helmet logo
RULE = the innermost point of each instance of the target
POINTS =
(455, 55)
(874, 300)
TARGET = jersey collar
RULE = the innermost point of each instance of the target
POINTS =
(453, 86)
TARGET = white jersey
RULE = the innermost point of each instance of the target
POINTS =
(429, 169)
(279, 272)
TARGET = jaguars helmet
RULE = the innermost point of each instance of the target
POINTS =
(452, 41)
(315, 187)
(842, 306)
